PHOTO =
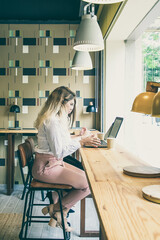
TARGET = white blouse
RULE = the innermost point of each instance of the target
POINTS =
(54, 138)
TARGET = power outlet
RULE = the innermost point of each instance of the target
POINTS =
(5, 142)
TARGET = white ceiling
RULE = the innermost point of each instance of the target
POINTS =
(132, 14)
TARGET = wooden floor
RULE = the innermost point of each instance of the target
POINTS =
(13, 204)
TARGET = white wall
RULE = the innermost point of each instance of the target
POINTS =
(115, 70)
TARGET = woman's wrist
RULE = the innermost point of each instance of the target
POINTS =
(82, 142)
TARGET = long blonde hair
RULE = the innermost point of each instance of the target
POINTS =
(55, 105)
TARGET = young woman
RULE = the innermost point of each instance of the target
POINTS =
(54, 144)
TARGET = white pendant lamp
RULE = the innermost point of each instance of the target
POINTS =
(103, 1)
(89, 36)
(82, 61)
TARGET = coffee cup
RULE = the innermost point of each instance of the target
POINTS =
(111, 143)
(100, 135)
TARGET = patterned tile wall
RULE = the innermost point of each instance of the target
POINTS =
(34, 60)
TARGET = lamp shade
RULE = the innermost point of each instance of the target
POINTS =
(82, 61)
(89, 36)
(90, 107)
(15, 108)
(156, 106)
(143, 103)
(103, 1)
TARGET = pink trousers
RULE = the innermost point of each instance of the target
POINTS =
(47, 168)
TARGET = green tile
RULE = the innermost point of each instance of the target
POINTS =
(41, 33)
(11, 33)
(41, 93)
(41, 63)
(11, 93)
(11, 63)
(72, 33)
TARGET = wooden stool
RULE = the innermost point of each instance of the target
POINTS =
(26, 155)
(28, 218)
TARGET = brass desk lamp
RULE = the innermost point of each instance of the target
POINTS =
(90, 107)
(149, 103)
(15, 109)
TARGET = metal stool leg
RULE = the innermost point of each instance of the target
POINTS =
(31, 208)
(28, 213)
(42, 194)
(62, 217)
(25, 186)
(24, 214)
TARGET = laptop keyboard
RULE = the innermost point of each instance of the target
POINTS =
(103, 142)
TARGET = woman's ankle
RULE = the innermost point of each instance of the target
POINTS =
(57, 208)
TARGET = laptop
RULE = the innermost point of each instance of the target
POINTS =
(112, 132)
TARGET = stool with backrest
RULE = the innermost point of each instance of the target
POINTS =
(22, 164)
(26, 155)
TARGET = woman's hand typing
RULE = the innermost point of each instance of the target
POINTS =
(91, 140)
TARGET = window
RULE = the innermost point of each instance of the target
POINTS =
(145, 136)
(151, 53)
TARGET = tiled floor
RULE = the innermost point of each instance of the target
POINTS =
(13, 204)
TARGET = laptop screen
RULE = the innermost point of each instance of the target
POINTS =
(114, 129)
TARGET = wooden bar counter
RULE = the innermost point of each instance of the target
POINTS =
(123, 213)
